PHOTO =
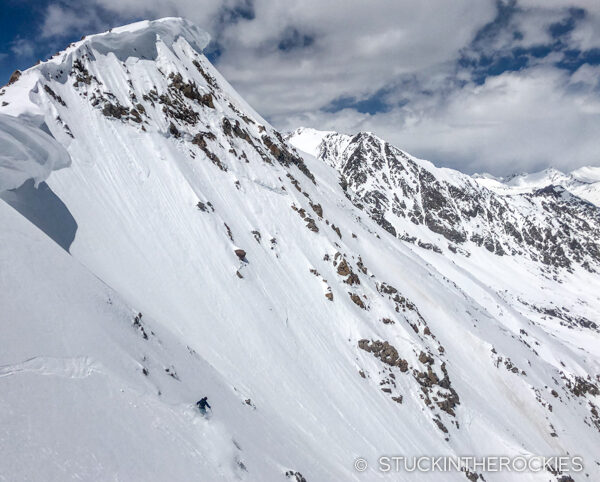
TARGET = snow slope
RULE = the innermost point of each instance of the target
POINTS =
(89, 394)
(328, 339)
(308, 140)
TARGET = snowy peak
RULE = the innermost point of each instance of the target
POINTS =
(443, 209)
(583, 182)
(539, 179)
(589, 174)
(308, 140)
(207, 257)
(137, 38)
(152, 77)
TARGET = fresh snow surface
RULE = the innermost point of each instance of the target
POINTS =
(89, 393)
(26, 152)
(308, 140)
(588, 174)
(583, 182)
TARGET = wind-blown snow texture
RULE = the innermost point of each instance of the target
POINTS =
(326, 339)
(27, 152)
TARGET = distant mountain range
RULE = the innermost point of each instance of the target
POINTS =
(333, 296)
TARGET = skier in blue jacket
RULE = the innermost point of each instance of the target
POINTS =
(202, 405)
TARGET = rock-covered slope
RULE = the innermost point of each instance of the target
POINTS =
(548, 224)
(211, 258)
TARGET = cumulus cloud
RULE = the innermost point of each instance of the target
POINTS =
(515, 121)
(522, 119)
(63, 19)
(495, 85)
(22, 47)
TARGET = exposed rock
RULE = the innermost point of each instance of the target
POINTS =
(200, 141)
(137, 323)
(229, 233)
(317, 209)
(310, 222)
(209, 78)
(385, 352)
(379, 178)
(286, 157)
(81, 74)
(297, 476)
(173, 130)
(16, 75)
(205, 207)
(343, 269)
(115, 110)
(425, 358)
(55, 96)
(440, 425)
(357, 300)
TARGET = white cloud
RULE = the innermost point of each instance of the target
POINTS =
(66, 18)
(515, 121)
(22, 47)
(587, 35)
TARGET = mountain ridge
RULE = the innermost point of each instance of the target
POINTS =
(393, 186)
(327, 339)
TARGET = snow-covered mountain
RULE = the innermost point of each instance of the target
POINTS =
(447, 211)
(183, 248)
(583, 182)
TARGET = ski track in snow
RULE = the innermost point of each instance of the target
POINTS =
(78, 367)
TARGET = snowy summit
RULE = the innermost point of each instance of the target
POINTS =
(331, 295)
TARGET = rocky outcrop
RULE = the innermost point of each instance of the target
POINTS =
(549, 226)
(16, 75)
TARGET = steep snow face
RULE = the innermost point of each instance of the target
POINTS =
(308, 140)
(26, 152)
(94, 390)
(317, 336)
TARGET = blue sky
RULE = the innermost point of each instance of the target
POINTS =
(479, 85)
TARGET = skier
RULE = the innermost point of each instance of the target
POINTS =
(202, 404)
